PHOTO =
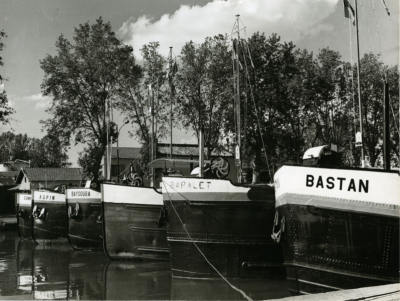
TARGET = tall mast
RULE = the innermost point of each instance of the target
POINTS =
(238, 98)
(170, 93)
(151, 98)
(359, 92)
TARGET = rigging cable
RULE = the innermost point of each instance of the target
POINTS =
(202, 254)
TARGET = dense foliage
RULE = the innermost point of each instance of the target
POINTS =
(5, 110)
(45, 152)
(83, 80)
(291, 99)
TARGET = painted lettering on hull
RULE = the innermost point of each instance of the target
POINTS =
(47, 197)
(338, 182)
(80, 193)
(192, 185)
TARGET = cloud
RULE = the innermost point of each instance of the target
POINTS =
(41, 102)
(291, 19)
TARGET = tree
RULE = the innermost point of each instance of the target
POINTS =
(45, 152)
(5, 110)
(134, 98)
(203, 85)
(83, 79)
(372, 76)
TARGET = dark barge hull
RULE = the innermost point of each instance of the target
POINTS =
(131, 217)
(84, 229)
(335, 243)
(228, 225)
(24, 215)
(52, 225)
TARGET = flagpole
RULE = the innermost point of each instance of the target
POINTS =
(359, 92)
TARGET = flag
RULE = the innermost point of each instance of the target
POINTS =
(349, 11)
(387, 10)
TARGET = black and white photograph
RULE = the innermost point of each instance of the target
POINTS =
(200, 150)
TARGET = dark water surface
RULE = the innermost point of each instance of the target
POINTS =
(54, 271)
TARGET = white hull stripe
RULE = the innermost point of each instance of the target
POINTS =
(40, 196)
(196, 185)
(347, 184)
(24, 199)
(73, 201)
(338, 204)
(82, 193)
(207, 197)
(131, 195)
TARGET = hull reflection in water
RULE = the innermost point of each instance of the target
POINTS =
(49, 216)
(218, 289)
(25, 271)
(24, 215)
(228, 224)
(50, 275)
(84, 218)
(138, 281)
(131, 223)
(86, 275)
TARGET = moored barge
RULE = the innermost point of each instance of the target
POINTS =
(214, 222)
(49, 216)
(339, 227)
(132, 225)
(24, 214)
(84, 229)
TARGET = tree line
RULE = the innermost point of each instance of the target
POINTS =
(44, 152)
(293, 98)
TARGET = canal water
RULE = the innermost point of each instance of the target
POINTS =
(54, 271)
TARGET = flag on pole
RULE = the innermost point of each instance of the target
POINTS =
(387, 10)
(349, 11)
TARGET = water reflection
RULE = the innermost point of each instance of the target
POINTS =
(54, 271)
(218, 289)
(138, 281)
(86, 275)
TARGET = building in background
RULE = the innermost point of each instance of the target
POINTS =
(33, 178)
(128, 155)
(125, 156)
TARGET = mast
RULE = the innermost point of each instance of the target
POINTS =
(239, 175)
(360, 110)
(170, 93)
(151, 98)
(108, 153)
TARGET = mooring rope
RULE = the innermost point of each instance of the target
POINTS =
(187, 200)
(202, 254)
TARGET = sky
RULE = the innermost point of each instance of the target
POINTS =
(33, 27)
